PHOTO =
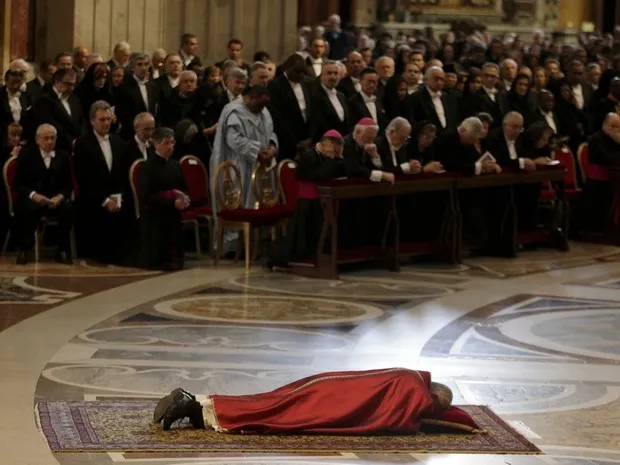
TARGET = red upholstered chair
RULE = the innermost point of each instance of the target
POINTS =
(548, 194)
(231, 214)
(8, 175)
(197, 181)
(590, 170)
(187, 217)
(567, 160)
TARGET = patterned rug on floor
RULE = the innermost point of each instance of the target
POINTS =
(127, 427)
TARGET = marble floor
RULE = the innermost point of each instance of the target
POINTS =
(537, 338)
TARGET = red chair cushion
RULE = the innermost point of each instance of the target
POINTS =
(11, 166)
(288, 181)
(259, 216)
(567, 161)
(197, 183)
(452, 418)
(547, 194)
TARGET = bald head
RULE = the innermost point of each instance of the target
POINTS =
(355, 64)
(442, 395)
(434, 78)
(509, 69)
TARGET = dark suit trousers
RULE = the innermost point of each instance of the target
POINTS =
(101, 235)
(29, 213)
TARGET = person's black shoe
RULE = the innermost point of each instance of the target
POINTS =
(180, 408)
(166, 401)
(23, 257)
(195, 415)
(63, 257)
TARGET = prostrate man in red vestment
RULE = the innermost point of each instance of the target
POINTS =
(390, 400)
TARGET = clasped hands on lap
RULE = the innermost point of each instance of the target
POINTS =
(52, 203)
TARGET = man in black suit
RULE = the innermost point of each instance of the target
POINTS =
(44, 185)
(80, 54)
(546, 110)
(316, 58)
(139, 148)
(101, 175)
(385, 69)
(329, 107)
(430, 103)
(120, 56)
(350, 85)
(181, 103)
(290, 108)
(173, 65)
(189, 50)
(582, 91)
(339, 42)
(392, 147)
(60, 108)
(607, 105)
(43, 79)
(487, 99)
(365, 104)
(15, 105)
(137, 94)
(234, 52)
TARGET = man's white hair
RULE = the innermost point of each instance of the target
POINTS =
(236, 73)
(428, 72)
(19, 64)
(397, 124)
(140, 117)
(384, 58)
(508, 60)
(186, 73)
(46, 127)
(472, 126)
(511, 115)
(159, 52)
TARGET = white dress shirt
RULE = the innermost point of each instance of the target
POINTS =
(550, 120)
(15, 105)
(142, 146)
(491, 93)
(403, 166)
(143, 91)
(106, 148)
(438, 104)
(317, 65)
(512, 152)
(64, 101)
(173, 82)
(578, 92)
(47, 160)
(299, 95)
(356, 84)
(371, 103)
(507, 85)
(332, 94)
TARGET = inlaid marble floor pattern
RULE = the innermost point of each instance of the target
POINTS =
(536, 338)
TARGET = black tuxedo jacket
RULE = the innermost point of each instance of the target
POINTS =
(31, 173)
(347, 87)
(95, 181)
(34, 89)
(324, 116)
(194, 61)
(290, 125)
(359, 110)
(499, 149)
(358, 163)
(454, 155)
(163, 87)
(539, 116)
(310, 68)
(421, 106)
(6, 117)
(402, 156)
(176, 108)
(48, 109)
(133, 153)
(483, 104)
(130, 103)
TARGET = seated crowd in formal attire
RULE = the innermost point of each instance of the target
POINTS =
(338, 109)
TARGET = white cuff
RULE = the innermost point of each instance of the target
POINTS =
(32, 194)
(106, 201)
(376, 176)
(406, 167)
(478, 166)
(521, 163)
(377, 162)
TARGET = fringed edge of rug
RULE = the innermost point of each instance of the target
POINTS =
(302, 451)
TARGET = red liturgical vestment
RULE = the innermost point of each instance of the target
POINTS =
(348, 402)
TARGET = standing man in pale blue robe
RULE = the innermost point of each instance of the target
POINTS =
(245, 136)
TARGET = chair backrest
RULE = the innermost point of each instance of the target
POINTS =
(287, 178)
(134, 176)
(196, 178)
(228, 186)
(265, 186)
(567, 160)
(8, 175)
(73, 177)
(590, 170)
